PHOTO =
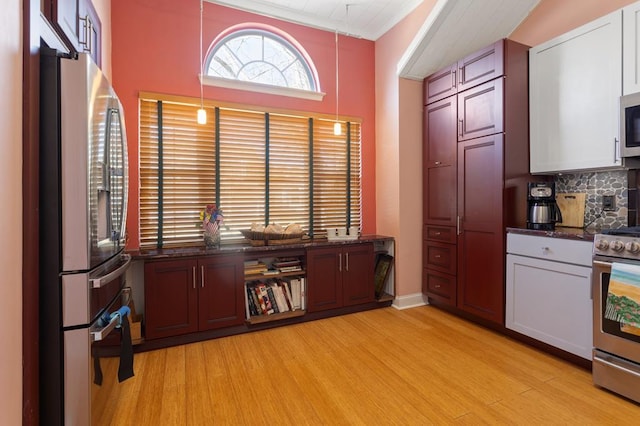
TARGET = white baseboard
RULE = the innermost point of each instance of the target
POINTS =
(409, 301)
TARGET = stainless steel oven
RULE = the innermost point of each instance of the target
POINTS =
(616, 353)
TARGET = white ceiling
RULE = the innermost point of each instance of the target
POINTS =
(453, 29)
(368, 19)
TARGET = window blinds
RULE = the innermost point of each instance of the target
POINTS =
(263, 167)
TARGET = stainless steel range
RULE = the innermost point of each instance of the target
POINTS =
(616, 353)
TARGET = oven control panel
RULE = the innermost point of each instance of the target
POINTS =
(617, 246)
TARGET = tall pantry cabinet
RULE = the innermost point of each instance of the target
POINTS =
(475, 176)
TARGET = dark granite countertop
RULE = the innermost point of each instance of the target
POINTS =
(201, 250)
(559, 232)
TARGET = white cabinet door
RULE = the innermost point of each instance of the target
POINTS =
(551, 302)
(575, 82)
(631, 49)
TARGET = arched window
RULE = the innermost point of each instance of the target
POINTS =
(261, 56)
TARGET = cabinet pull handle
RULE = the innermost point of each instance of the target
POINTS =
(340, 262)
(86, 31)
(457, 225)
(346, 255)
(437, 233)
(460, 127)
(202, 276)
(454, 79)
(438, 163)
(194, 277)
(616, 150)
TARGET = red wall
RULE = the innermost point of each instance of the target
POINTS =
(155, 48)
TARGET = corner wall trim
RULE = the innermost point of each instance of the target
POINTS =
(409, 301)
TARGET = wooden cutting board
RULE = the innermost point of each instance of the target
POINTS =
(572, 207)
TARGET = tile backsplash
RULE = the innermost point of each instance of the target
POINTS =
(595, 185)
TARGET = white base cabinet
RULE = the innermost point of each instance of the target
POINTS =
(548, 291)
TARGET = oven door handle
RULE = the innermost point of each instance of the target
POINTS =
(600, 263)
(612, 365)
(100, 281)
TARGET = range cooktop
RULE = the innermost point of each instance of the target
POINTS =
(620, 242)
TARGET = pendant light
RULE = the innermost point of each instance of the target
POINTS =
(337, 127)
(202, 113)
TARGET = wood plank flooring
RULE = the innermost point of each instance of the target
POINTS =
(418, 366)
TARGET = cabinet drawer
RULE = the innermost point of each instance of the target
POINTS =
(445, 234)
(555, 249)
(439, 256)
(439, 286)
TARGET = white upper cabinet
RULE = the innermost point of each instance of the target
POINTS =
(631, 49)
(575, 82)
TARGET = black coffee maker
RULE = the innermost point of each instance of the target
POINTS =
(542, 210)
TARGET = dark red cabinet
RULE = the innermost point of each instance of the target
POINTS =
(78, 24)
(481, 248)
(468, 205)
(480, 111)
(185, 296)
(472, 70)
(440, 121)
(339, 276)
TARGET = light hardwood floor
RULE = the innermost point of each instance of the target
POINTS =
(418, 366)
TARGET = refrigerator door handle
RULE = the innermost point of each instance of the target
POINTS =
(105, 279)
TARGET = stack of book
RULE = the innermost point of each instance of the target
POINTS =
(274, 296)
(254, 267)
(287, 264)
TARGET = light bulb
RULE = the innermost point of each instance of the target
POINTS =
(337, 129)
(202, 116)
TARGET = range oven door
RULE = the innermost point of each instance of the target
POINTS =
(616, 354)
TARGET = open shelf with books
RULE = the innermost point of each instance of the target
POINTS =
(274, 288)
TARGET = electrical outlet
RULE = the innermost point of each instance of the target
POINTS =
(608, 203)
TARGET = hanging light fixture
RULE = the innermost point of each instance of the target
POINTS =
(337, 127)
(202, 113)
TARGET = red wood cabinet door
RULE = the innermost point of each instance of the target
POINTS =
(324, 279)
(481, 66)
(481, 250)
(440, 84)
(220, 292)
(64, 17)
(480, 110)
(170, 296)
(439, 179)
(357, 274)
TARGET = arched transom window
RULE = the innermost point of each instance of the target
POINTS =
(256, 55)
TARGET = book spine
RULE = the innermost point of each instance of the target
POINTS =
(250, 303)
(261, 292)
(287, 294)
(272, 300)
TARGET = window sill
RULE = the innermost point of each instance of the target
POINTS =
(208, 80)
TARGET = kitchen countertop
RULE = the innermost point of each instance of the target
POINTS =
(560, 232)
(201, 250)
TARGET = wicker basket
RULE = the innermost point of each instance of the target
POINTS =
(257, 239)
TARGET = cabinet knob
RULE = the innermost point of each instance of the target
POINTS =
(438, 163)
